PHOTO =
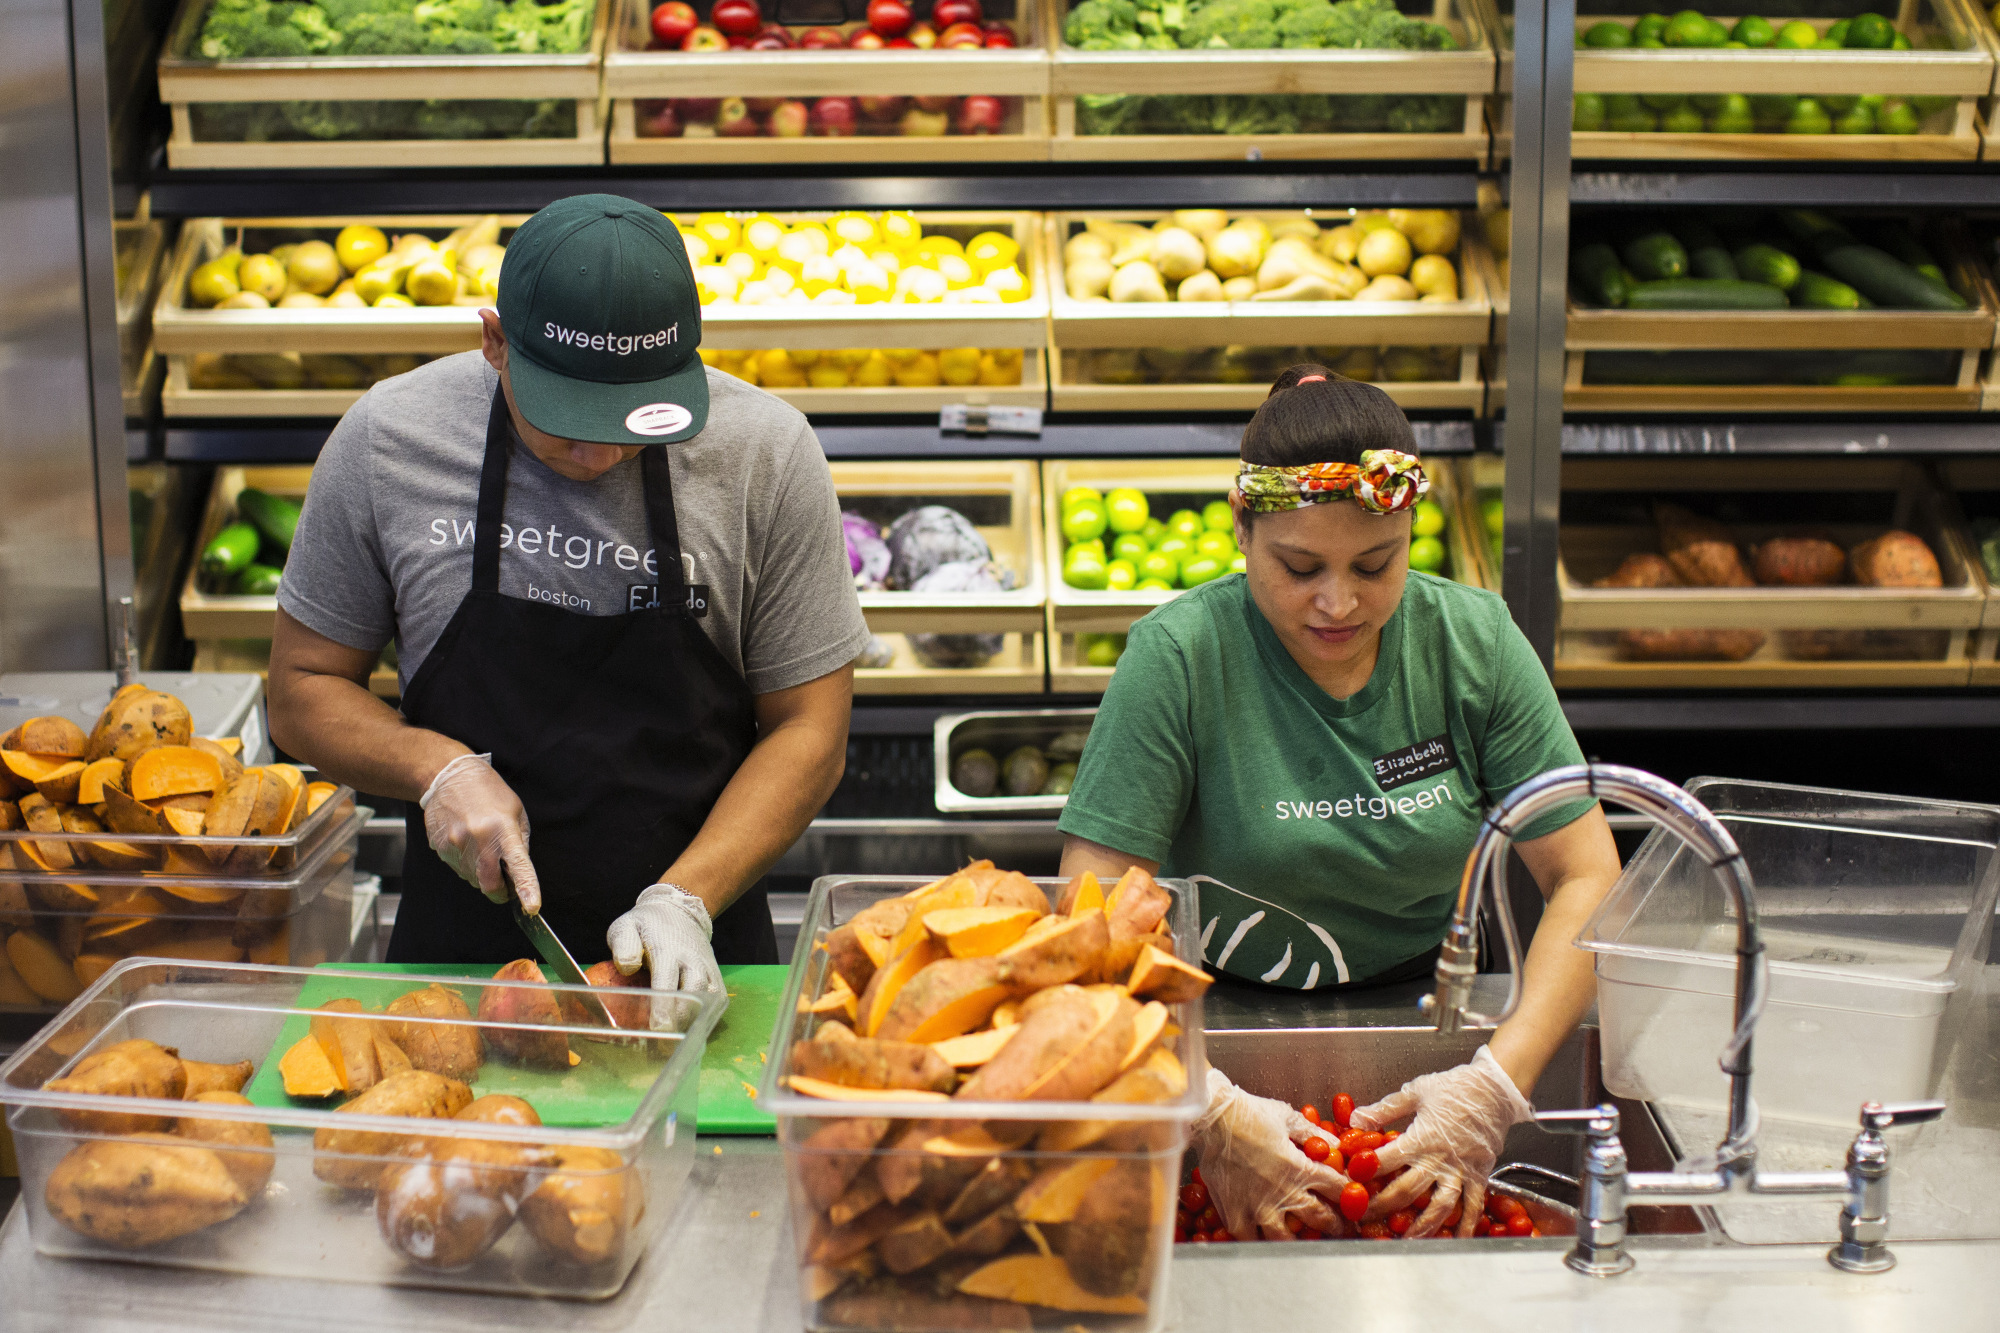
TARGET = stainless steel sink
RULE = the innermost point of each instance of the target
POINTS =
(1312, 1064)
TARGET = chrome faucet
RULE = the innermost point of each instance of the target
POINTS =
(1732, 1169)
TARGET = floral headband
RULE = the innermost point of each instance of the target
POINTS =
(1387, 481)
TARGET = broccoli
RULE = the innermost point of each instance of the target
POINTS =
(1426, 115)
(1102, 25)
(1112, 113)
(383, 34)
(244, 29)
(474, 15)
(320, 36)
(1162, 19)
(1245, 25)
(458, 42)
(250, 28)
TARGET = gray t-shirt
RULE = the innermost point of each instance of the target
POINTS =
(384, 549)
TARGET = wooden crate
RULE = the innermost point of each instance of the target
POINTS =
(138, 381)
(440, 330)
(1069, 673)
(185, 79)
(1073, 391)
(1962, 395)
(1970, 488)
(1468, 71)
(207, 615)
(1587, 655)
(1019, 668)
(1015, 534)
(1467, 320)
(179, 398)
(632, 72)
(1965, 71)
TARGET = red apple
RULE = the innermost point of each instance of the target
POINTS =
(946, 13)
(998, 36)
(890, 18)
(934, 102)
(658, 121)
(922, 34)
(739, 43)
(884, 110)
(788, 121)
(901, 44)
(737, 18)
(735, 121)
(673, 21)
(980, 114)
(866, 39)
(695, 110)
(834, 117)
(763, 106)
(821, 39)
(925, 124)
(771, 41)
(704, 38)
(961, 37)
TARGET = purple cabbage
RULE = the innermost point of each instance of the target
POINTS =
(961, 650)
(867, 553)
(924, 539)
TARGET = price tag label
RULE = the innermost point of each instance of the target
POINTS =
(979, 419)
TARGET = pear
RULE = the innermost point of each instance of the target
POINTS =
(300, 301)
(313, 268)
(359, 246)
(283, 253)
(378, 280)
(334, 372)
(244, 301)
(274, 370)
(432, 282)
(395, 300)
(213, 283)
(213, 370)
(394, 363)
(263, 275)
(347, 299)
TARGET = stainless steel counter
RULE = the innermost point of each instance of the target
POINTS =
(725, 1264)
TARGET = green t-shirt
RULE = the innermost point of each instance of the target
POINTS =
(1328, 835)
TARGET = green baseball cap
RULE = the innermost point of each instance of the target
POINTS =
(603, 320)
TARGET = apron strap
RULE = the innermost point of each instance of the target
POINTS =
(492, 496)
(657, 473)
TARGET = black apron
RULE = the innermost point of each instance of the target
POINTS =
(617, 732)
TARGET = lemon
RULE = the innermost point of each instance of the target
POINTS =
(761, 237)
(213, 282)
(805, 358)
(819, 273)
(780, 281)
(959, 365)
(312, 267)
(901, 356)
(698, 248)
(899, 230)
(940, 245)
(991, 249)
(972, 296)
(715, 282)
(263, 275)
(874, 373)
(395, 300)
(827, 377)
(847, 256)
(920, 285)
(243, 301)
(887, 260)
(743, 265)
(709, 356)
(1008, 283)
(775, 366)
(957, 271)
(996, 372)
(718, 229)
(300, 301)
(814, 235)
(745, 370)
(851, 357)
(854, 228)
(835, 296)
(432, 283)
(869, 283)
(359, 245)
(346, 298)
(921, 373)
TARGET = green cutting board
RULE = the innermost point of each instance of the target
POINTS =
(604, 1090)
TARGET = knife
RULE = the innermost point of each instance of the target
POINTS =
(560, 966)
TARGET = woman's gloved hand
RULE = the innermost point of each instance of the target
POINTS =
(668, 931)
(1461, 1120)
(477, 826)
(1254, 1171)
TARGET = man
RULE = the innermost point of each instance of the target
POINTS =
(622, 604)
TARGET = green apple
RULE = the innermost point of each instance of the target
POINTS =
(1077, 495)
(1083, 521)
(1120, 575)
(1215, 544)
(1129, 546)
(1160, 566)
(1185, 523)
(1200, 570)
(1427, 554)
(1493, 513)
(1428, 519)
(1153, 531)
(1154, 585)
(1240, 565)
(1127, 509)
(1104, 650)
(1216, 516)
(1087, 570)
(1178, 549)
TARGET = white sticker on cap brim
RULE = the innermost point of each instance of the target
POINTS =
(658, 419)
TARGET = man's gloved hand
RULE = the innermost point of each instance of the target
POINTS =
(1255, 1173)
(476, 824)
(1461, 1120)
(668, 931)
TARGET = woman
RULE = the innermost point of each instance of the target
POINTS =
(1314, 743)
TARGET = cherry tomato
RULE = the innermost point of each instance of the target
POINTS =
(1375, 1231)
(1520, 1224)
(1196, 1177)
(1374, 1187)
(1401, 1221)
(1451, 1223)
(1343, 1109)
(1293, 1224)
(1350, 1142)
(1363, 1166)
(1194, 1196)
(1199, 1238)
(1336, 1161)
(1534, 1231)
(1210, 1220)
(1390, 1136)
(1353, 1201)
(1367, 1141)
(1423, 1202)
(1310, 1112)
(1316, 1148)
(1220, 1236)
(1180, 1235)
(1505, 1207)
(1309, 1234)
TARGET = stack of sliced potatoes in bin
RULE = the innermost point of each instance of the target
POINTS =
(140, 772)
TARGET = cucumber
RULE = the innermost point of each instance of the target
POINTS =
(277, 518)
(1816, 291)
(1600, 275)
(1886, 279)
(229, 551)
(1704, 294)
(1656, 255)
(1707, 256)
(1767, 263)
(257, 581)
(1899, 241)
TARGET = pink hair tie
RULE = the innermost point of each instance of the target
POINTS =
(1309, 379)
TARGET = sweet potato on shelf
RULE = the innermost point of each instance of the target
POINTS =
(143, 1190)
(205, 1077)
(348, 1157)
(866, 1062)
(538, 1049)
(831, 1156)
(1045, 1280)
(451, 1049)
(251, 1168)
(1895, 560)
(1158, 975)
(1690, 645)
(948, 998)
(588, 1204)
(135, 1068)
(1798, 562)
(1701, 550)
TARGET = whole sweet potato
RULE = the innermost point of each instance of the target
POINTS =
(1108, 1245)
(252, 1169)
(451, 1049)
(136, 720)
(507, 1004)
(1701, 550)
(448, 1205)
(869, 1062)
(586, 1207)
(126, 1069)
(204, 1077)
(142, 1190)
(831, 1156)
(344, 1157)
(1895, 560)
(1644, 570)
(1690, 645)
(1798, 562)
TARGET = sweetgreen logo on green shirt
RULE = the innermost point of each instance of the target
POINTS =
(1326, 835)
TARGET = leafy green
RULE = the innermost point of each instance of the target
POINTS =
(264, 122)
(244, 29)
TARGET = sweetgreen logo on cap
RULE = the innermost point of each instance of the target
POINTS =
(603, 321)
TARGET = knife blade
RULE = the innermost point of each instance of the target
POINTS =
(561, 967)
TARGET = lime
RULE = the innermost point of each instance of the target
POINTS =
(1217, 516)
(1154, 585)
(1095, 546)
(1798, 35)
(1718, 34)
(1733, 45)
(1177, 549)
(1809, 117)
(1928, 105)
(1427, 554)
(1240, 565)
(1104, 650)
(1772, 110)
(1077, 495)
(1153, 531)
(1837, 32)
(1607, 35)
(1901, 43)
(1838, 105)
(1898, 117)
(1733, 116)
(1493, 515)
(1588, 113)
(1159, 565)
(1753, 31)
(1120, 575)
(1827, 44)
(1687, 28)
(1870, 32)
(1683, 120)
(1706, 103)
(1637, 120)
(1427, 519)
(1200, 570)
(1086, 571)
(1216, 544)
(1129, 546)
(1662, 102)
(1650, 44)
(1649, 28)
(1126, 509)
(1083, 520)
(1185, 523)
(1858, 120)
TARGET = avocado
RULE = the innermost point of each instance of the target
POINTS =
(976, 773)
(1024, 771)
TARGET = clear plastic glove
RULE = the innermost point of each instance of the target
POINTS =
(1255, 1173)
(1461, 1120)
(477, 826)
(667, 931)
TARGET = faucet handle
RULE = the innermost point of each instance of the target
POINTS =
(1594, 1120)
(1881, 1115)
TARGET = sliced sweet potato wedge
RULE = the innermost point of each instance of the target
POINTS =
(1158, 975)
(30, 768)
(974, 1048)
(958, 891)
(42, 817)
(126, 815)
(1136, 905)
(232, 767)
(174, 770)
(840, 1092)
(889, 981)
(96, 777)
(1058, 955)
(1058, 1189)
(947, 998)
(978, 932)
(187, 823)
(865, 1062)
(1044, 1280)
(1082, 894)
(59, 787)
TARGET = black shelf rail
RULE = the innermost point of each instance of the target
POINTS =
(1911, 185)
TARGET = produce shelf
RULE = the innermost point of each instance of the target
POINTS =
(1971, 490)
(1468, 71)
(1855, 636)
(1001, 499)
(1018, 668)
(187, 81)
(1959, 392)
(1962, 70)
(207, 615)
(1074, 389)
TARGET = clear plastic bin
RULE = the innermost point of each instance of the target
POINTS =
(902, 1274)
(194, 899)
(584, 1193)
(1876, 914)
